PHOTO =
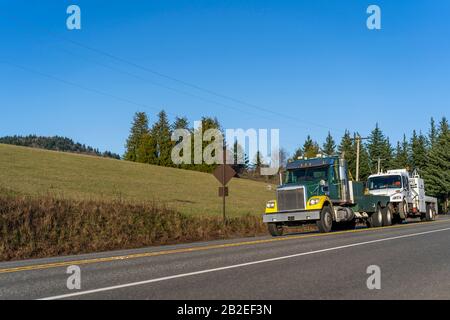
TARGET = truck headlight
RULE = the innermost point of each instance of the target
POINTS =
(270, 205)
(313, 202)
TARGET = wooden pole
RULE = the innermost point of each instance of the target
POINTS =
(223, 183)
(358, 142)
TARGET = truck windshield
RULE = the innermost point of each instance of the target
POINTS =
(307, 174)
(385, 182)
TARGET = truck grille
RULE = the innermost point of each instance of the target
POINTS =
(291, 199)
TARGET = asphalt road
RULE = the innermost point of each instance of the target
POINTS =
(414, 260)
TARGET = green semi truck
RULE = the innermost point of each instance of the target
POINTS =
(318, 190)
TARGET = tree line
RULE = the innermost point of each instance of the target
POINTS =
(152, 144)
(428, 153)
(56, 143)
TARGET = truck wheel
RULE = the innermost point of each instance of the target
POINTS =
(387, 216)
(429, 215)
(326, 220)
(275, 229)
(376, 219)
(403, 209)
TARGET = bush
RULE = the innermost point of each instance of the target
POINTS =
(33, 227)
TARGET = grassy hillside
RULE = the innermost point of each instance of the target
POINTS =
(29, 171)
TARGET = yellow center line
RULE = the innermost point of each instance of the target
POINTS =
(196, 249)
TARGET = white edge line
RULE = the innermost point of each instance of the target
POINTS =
(182, 275)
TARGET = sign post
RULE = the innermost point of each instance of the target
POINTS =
(223, 174)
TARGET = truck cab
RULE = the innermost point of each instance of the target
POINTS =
(318, 190)
(406, 193)
(395, 185)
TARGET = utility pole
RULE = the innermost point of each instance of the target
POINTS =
(358, 139)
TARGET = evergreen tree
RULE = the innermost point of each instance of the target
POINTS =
(443, 127)
(437, 171)
(161, 133)
(146, 152)
(310, 148)
(365, 165)
(207, 123)
(347, 151)
(433, 133)
(401, 159)
(379, 147)
(297, 154)
(418, 151)
(240, 168)
(180, 123)
(329, 147)
(138, 129)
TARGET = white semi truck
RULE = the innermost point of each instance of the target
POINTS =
(407, 194)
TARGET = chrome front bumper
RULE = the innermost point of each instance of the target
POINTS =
(292, 216)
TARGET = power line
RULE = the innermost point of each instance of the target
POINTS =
(194, 86)
(70, 83)
(211, 92)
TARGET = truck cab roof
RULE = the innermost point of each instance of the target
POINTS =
(311, 162)
(400, 172)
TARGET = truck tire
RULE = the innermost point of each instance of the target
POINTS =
(387, 216)
(326, 220)
(429, 214)
(403, 210)
(275, 229)
(376, 219)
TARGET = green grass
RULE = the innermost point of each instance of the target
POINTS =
(35, 172)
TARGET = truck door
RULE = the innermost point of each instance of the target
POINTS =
(407, 190)
(334, 183)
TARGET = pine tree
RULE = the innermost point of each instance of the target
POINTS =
(443, 127)
(418, 151)
(347, 151)
(146, 152)
(402, 155)
(297, 154)
(433, 133)
(437, 171)
(180, 123)
(310, 148)
(161, 133)
(329, 147)
(237, 150)
(365, 166)
(379, 147)
(207, 123)
(138, 129)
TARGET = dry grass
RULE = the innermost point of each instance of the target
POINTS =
(33, 227)
(27, 171)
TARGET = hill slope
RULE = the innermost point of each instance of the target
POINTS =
(39, 172)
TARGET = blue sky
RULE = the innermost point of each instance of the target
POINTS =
(310, 62)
